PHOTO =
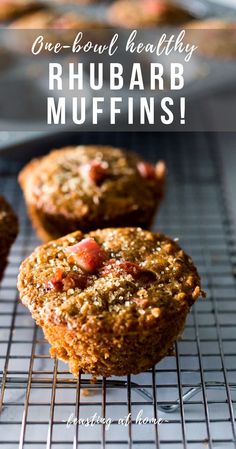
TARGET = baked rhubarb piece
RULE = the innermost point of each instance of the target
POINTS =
(13, 8)
(91, 187)
(111, 302)
(8, 232)
(146, 13)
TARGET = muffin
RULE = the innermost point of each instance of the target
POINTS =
(146, 13)
(52, 19)
(78, 2)
(215, 38)
(90, 187)
(111, 302)
(13, 8)
(8, 232)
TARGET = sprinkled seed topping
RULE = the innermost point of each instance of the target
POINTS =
(120, 267)
(109, 271)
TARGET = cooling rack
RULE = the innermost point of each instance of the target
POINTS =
(188, 400)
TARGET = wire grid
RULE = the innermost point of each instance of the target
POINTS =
(194, 392)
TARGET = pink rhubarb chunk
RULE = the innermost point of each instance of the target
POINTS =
(146, 170)
(96, 171)
(87, 254)
(118, 268)
(56, 282)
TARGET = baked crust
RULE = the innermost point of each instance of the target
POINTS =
(146, 13)
(8, 232)
(119, 323)
(61, 197)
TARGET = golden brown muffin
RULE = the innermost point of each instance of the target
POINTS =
(13, 8)
(8, 232)
(215, 38)
(90, 187)
(111, 302)
(146, 13)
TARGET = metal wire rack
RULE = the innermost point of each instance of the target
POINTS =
(188, 400)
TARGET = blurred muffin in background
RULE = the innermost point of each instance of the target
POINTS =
(52, 19)
(146, 13)
(215, 38)
(13, 8)
(59, 26)
(78, 2)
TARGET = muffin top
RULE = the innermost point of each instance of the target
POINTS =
(116, 275)
(8, 225)
(145, 13)
(92, 181)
